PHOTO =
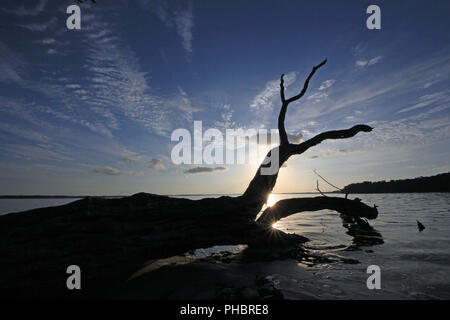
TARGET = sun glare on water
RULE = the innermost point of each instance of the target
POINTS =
(270, 202)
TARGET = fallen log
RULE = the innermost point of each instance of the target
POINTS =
(287, 207)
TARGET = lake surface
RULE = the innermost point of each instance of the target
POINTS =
(413, 264)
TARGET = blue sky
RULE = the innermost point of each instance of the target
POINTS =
(91, 111)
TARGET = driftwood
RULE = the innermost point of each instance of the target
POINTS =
(287, 207)
(110, 239)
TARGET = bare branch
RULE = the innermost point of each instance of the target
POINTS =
(287, 207)
(283, 98)
(305, 86)
(329, 183)
(336, 134)
(317, 188)
(285, 103)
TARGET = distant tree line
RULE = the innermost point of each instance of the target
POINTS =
(437, 183)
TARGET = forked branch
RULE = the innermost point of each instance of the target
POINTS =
(285, 103)
(262, 184)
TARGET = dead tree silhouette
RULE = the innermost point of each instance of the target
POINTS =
(112, 238)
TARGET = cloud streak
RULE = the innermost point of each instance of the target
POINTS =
(326, 84)
(178, 16)
(441, 97)
(184, 21)
(198, 170)
(156, 164)
(364, 93)
(22, 11)
(40, 27)
(264, 100)
(367, 63)
(107, 171)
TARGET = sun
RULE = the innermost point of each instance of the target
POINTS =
(271, 200)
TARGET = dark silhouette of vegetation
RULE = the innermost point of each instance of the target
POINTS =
(437, 183)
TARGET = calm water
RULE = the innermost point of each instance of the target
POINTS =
(414, 265)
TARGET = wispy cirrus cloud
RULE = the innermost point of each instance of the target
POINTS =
(107, 170)
(408, 133)
(34, 152)
(177, 15)
(28, 11)
(133, 158)
(264, 100)
(118, 85)
(329, 152)
(47, 41)
(327, 84)
(295, 137)
(181, 103)
(198, 170)
(363, 93)
(28, 134)
(318, 96)
(130, 159)
(367, 63)
(40, 27)
(110, 171)
(414, 131)
(184, 22)
(441, 97)
(323, 92)
(116, 88)
(156, 164)
(52, 51)
(226, 118)
(12, 65)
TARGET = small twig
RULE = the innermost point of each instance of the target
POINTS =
(319, 189)
(329, 182)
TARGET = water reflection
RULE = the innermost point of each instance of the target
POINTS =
(322, 226)
(327, 267)
(362, 232)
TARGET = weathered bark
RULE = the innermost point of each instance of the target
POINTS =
(111, 238)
